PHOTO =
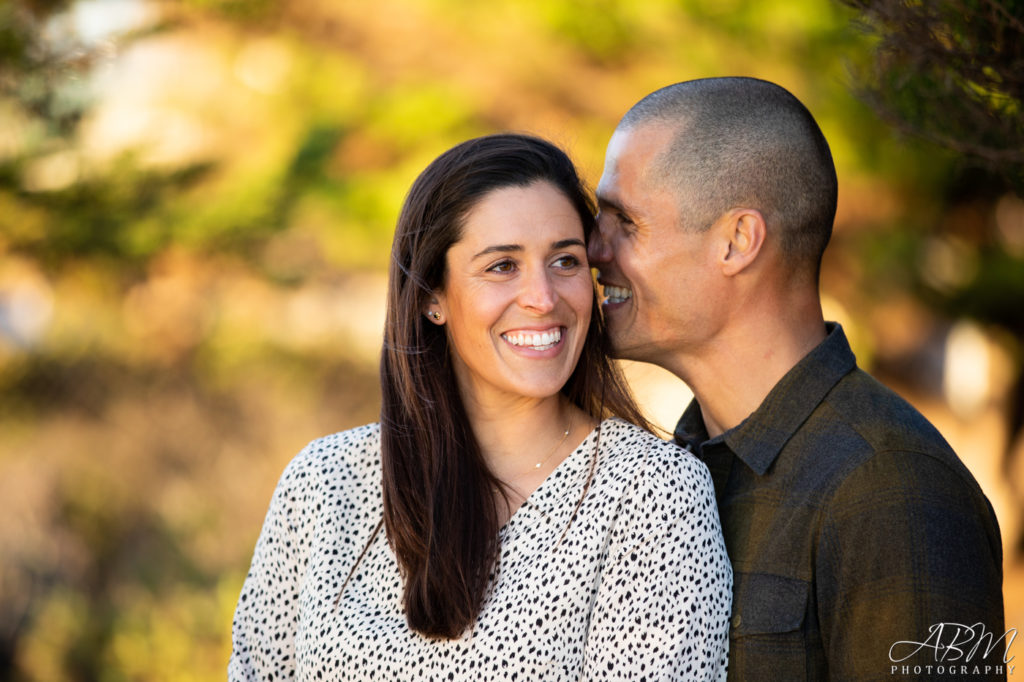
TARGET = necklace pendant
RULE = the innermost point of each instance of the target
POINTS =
(537, 465)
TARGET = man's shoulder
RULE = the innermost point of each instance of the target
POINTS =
(882, 418)
(887, 439)
(861, 433)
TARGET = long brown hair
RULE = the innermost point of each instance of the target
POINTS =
(440, 513)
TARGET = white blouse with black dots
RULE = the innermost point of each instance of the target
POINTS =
(638, 589)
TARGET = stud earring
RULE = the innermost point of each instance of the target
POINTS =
(436, 316)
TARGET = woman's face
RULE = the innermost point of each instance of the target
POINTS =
(517, 295)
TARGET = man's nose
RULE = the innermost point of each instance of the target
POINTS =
(538, 291)
(599, 250)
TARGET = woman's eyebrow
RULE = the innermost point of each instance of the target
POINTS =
(510, 248)
(499, 248)
(561, 244)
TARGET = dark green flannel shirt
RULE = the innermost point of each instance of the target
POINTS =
(851, 525)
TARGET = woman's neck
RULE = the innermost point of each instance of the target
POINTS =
(524, 440)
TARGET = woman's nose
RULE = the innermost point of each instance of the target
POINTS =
(538, 291)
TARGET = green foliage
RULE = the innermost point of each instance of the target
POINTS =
(951, 72)
(114, 217)
(194, 216)
(244, 11)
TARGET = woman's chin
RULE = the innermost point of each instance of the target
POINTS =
(540, 387)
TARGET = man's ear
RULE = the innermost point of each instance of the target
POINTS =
(743, 231)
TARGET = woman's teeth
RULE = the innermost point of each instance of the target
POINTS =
(617, 294)
(535, 340)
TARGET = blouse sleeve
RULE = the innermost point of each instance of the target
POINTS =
(263, 631)
(663, 605)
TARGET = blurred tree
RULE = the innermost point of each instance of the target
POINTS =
(952, 72)
(45, 68)
(86, 545)
(209, 307)
(30, 66)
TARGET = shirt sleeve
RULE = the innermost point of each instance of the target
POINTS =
(663, 605)
(909, 543)
(263, 631)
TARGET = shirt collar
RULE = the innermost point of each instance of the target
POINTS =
(759, 438)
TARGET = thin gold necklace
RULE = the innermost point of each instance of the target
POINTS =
(548, 456)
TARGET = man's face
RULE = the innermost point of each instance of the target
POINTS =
(656, 269)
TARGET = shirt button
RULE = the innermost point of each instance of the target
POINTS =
(737, 620)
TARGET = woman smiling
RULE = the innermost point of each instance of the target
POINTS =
(532, 529)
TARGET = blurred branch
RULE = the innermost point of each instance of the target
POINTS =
(32, 66)
(952, 72)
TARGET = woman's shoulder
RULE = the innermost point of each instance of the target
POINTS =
(629, 442)
(361, 439)
(655, 465)
(353, 453)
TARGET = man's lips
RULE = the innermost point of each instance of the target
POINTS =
(613, 293)
(616, 294)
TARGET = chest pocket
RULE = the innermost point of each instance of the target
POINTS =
(767, 633)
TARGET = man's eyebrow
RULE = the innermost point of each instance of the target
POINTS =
(605, 201)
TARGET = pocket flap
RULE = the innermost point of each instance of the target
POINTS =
(765, 603)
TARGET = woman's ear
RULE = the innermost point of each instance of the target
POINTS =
(744, 231)
(433, 309)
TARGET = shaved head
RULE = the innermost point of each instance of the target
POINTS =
(743, 142)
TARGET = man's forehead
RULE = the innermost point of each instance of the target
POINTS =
(642, 139)
(636, 151)
(632, 157)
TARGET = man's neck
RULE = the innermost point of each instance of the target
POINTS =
(732, 375)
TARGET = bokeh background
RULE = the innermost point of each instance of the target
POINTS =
(196, 205)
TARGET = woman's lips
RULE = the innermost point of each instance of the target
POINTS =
(534, 339)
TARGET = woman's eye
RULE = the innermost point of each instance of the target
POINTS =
(502, 266)
(566, 262)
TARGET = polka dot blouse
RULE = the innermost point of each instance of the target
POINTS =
(639, 587)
